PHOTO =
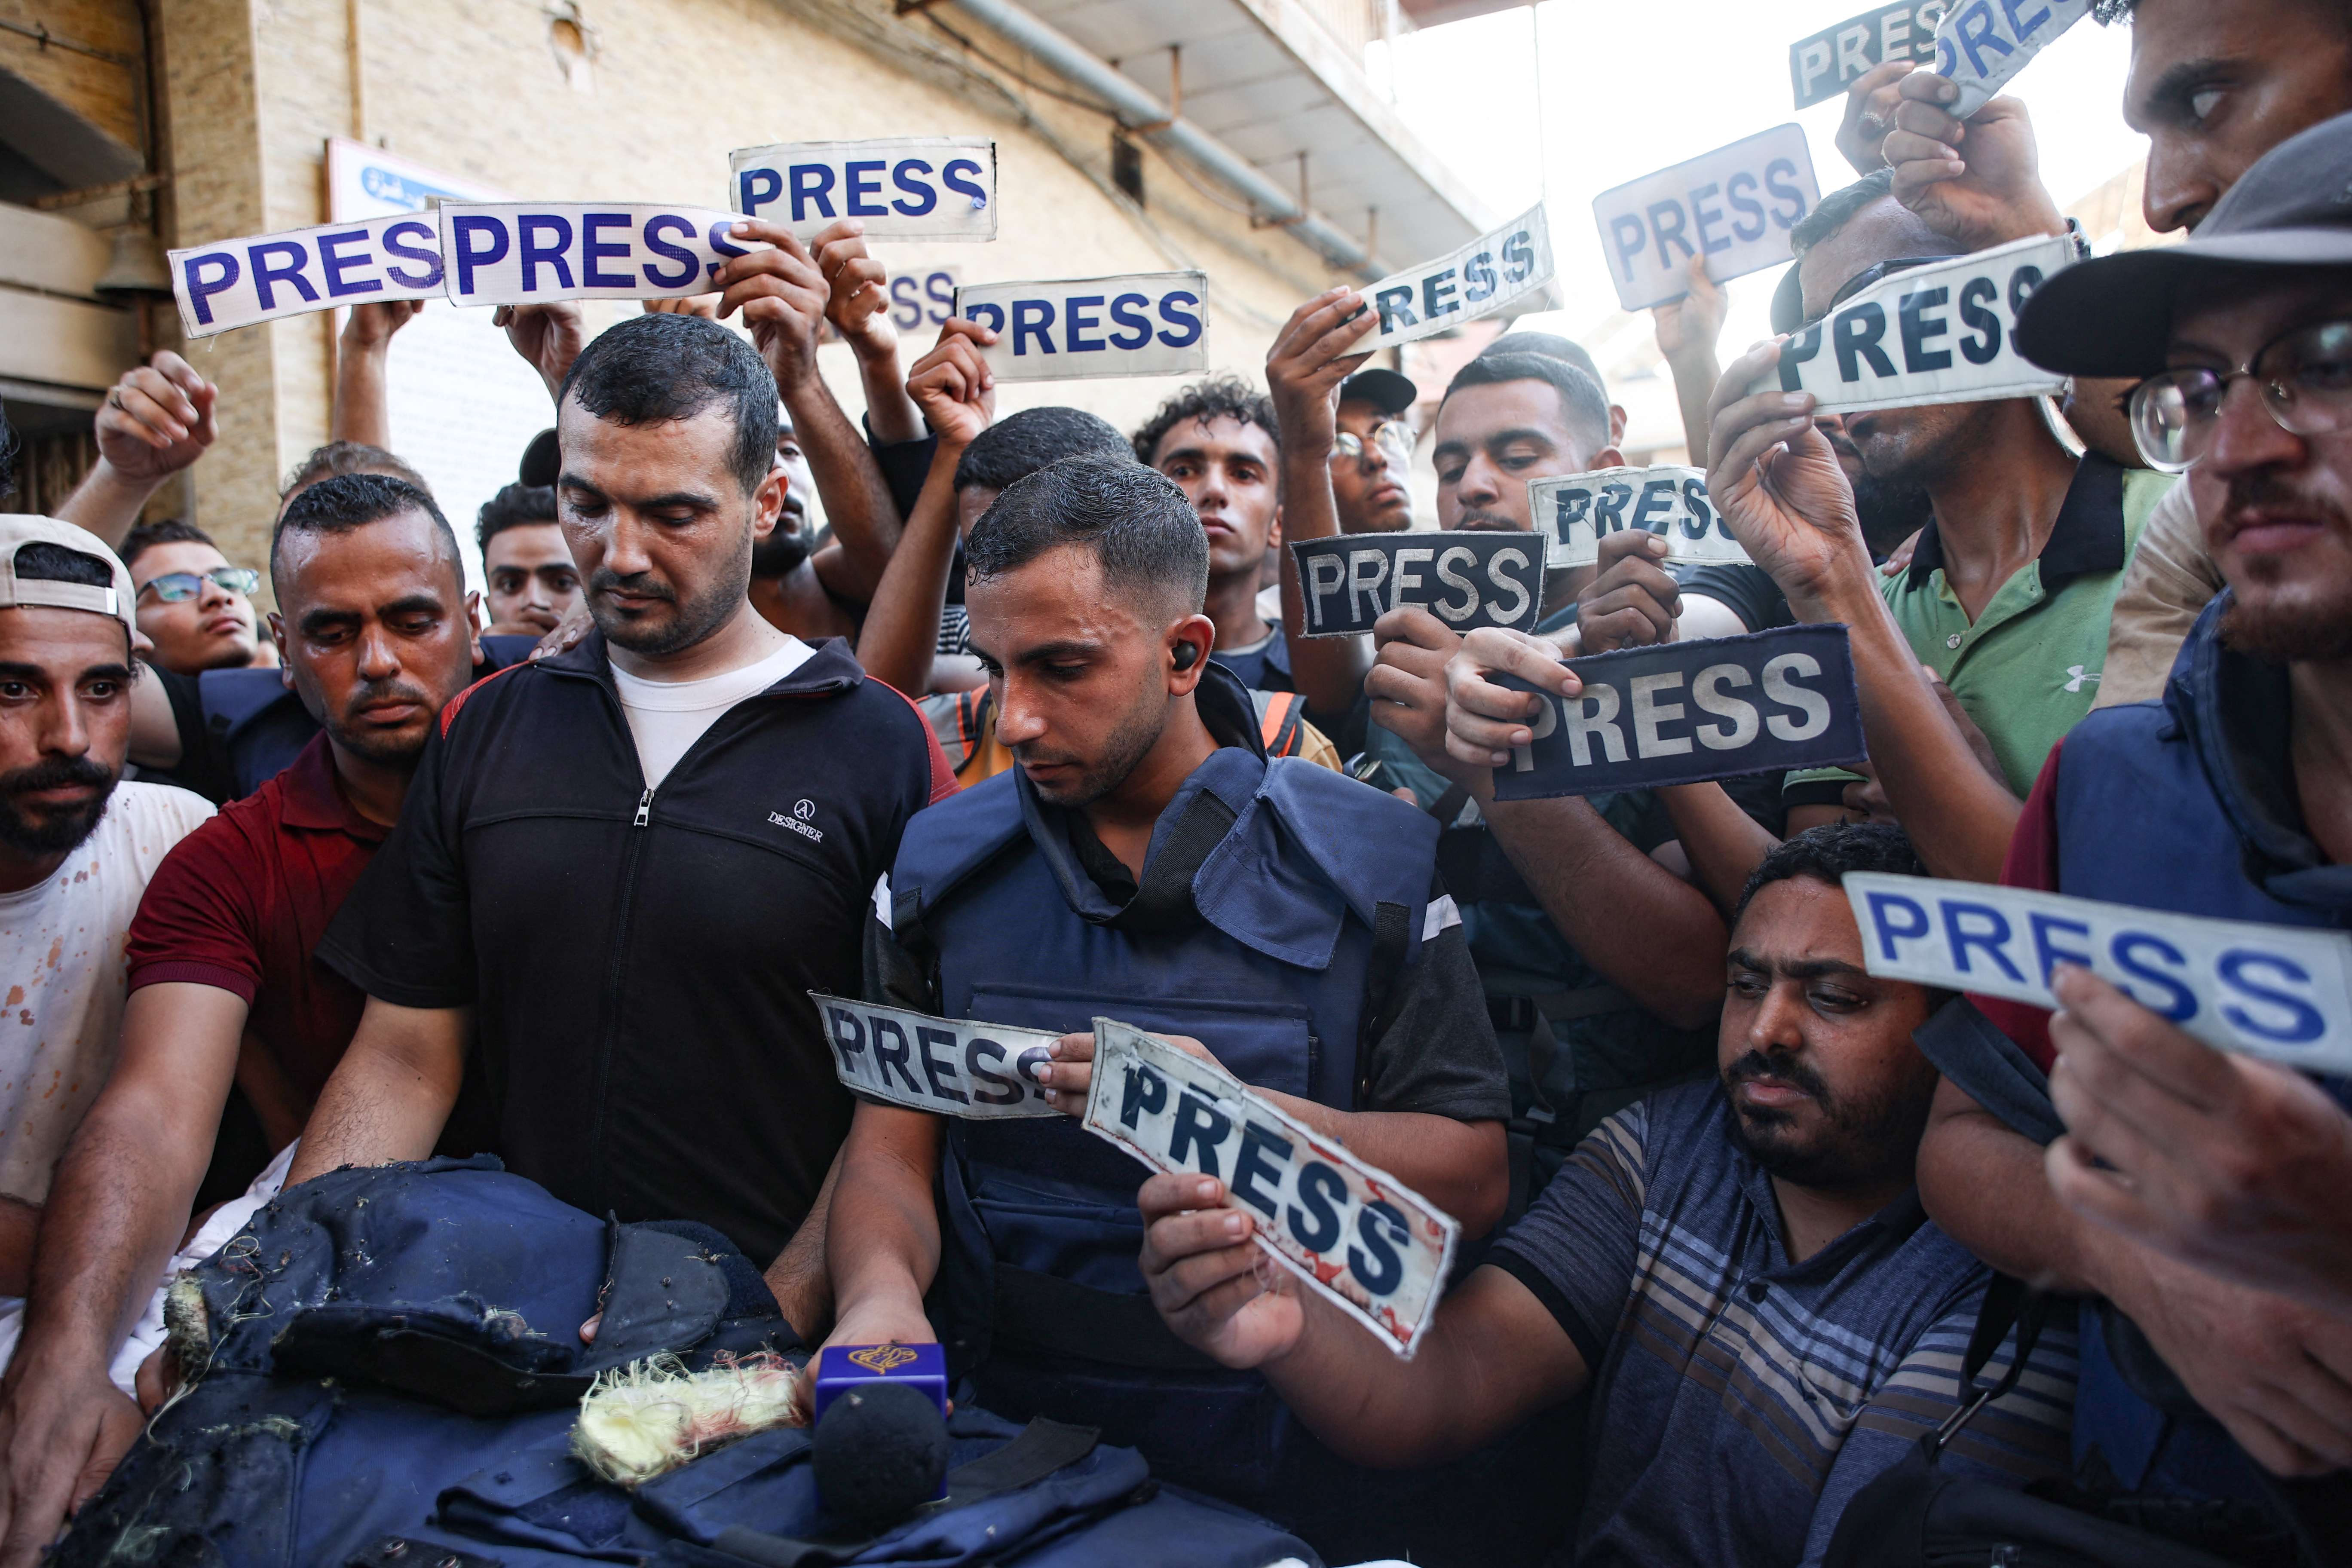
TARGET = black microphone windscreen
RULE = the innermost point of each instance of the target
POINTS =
(881, 1451)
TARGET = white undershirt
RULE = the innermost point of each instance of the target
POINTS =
(667, 717)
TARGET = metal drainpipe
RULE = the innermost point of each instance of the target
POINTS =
(1137, 108)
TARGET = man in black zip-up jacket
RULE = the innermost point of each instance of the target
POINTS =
(622, 869)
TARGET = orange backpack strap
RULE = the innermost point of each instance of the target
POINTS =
(1280, 715)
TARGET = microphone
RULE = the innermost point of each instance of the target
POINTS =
(881, 1452)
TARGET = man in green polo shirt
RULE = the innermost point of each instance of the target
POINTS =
(2008, 593)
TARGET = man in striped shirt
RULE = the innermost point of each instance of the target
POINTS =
(1739, 1271)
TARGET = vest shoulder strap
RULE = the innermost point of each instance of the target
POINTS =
(1371, 847)
(1311, 847)
(1281, 718)
(945, 844)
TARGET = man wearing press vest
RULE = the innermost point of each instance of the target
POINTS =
(2198, 1196)
(622, 869)
(1144, 861)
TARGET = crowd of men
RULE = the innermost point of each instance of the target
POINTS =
(1030, 733)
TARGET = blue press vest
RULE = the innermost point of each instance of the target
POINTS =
(1042, 1231)
(2141, 821)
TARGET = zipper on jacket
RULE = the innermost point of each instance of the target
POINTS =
(644, 807)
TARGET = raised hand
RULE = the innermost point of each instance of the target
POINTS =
(858, 302)
(782, 296)
(2228, 1164)
(1308, 360)
(1213, 1287)
(157, 420)
(953, 385)
(1689, 327)
(1977, 184)
(1776, 480)
(372, 325)
(1632, 600)
(1869, 111)
(1483, 720)
(547, 336)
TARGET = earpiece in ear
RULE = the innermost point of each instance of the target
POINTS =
(1188, 654)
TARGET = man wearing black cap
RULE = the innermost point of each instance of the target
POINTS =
(2198, 1194)
(1371, 456)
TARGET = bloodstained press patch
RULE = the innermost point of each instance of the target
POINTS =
(1362, 1240)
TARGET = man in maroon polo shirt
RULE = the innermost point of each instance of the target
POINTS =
(376, 626)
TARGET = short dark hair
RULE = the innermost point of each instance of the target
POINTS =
(1838, 207)
(652, 369)
(1553, 345)
(1018, 445)
(2109, 12)
(1827, 853)
(339, 458)
(1219, 398)
(1144, 534)
(1581, 401)
(515, 506)
(163, 530)
(43, 561)
(350, 502)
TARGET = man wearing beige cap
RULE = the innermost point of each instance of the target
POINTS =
(76, 847)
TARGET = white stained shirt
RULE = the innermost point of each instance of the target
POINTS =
(61, 944)
(667, 717)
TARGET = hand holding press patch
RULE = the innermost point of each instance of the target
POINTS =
(1483, 720)
(1217, 1292)
(1978, 183)
(1777, 484)
(952, 383)
(1070, 1077)
(1869, 113)
(2227, 1164)
(782, 297)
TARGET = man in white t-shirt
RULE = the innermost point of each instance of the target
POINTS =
(76, 847)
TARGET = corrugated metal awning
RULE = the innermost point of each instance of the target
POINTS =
(1276, 79)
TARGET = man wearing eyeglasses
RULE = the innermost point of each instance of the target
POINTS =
(2199, 1196)
(194, 606)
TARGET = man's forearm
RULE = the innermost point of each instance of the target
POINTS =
(1463, 1167)
(1724, 843)
(107, 503)
(882, 1231)
(392, 1093)
(890, 415)
(1644, 929)
(901, 631)
(121, 1197)
(20, 1229)
(1694, 377)
(119, 1203)
(1959, 817)
(1328, 671)
(850, 482)
(797, 1277)
(362, 410)
(1472, 1381)
(1984, 1185)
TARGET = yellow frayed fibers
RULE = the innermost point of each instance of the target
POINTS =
(650, 1416)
